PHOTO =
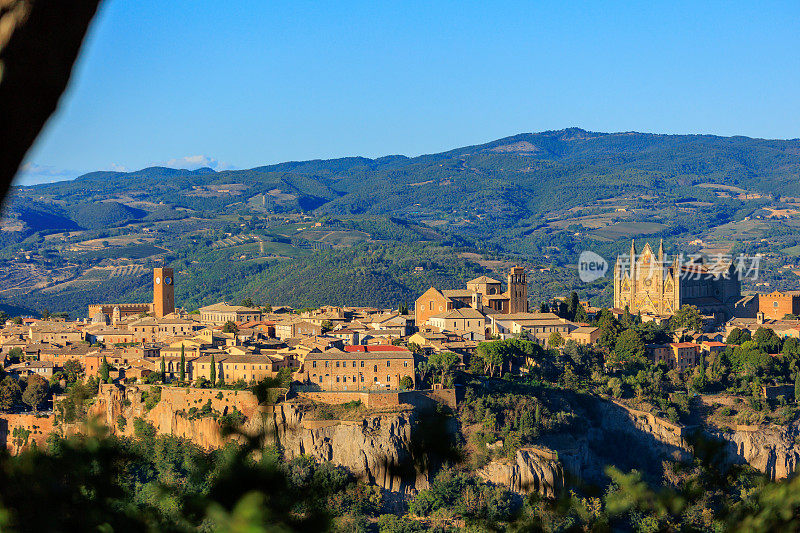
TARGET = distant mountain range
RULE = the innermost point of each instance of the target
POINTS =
(498, 184)
(540, 197)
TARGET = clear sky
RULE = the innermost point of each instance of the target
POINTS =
(241, 84)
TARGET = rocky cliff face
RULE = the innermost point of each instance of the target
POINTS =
(528, 472)
(170, 415)
(375, 448)
(616, 435)
(770, 449)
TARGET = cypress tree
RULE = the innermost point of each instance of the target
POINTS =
(797, 387)
(183, 365)
(104, 370)
(213, 371)
(163, 369)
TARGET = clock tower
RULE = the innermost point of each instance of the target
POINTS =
(163, 292)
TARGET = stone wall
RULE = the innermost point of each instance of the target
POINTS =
(29, 428)
(371, 399)
(170, 416)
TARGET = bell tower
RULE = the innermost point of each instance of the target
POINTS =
(517, 291)
(163, 292)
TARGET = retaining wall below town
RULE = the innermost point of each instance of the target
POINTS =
(372, 399)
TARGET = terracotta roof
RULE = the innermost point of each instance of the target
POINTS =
(376, 348)
(483, 279)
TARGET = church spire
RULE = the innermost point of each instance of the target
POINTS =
(661, 254)
(633, 258)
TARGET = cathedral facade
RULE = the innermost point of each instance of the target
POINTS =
(647, 283)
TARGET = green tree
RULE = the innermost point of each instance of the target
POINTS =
(580, 315)
(738, 336)
(406, 383)
(247, 302)
(16, 354)
(629, 348)
(36, 391)
(164, 369)
(555, 339)
(444, 362)
(767, 340)
(10, 393)
(687, 317)
(494, 355)
(104, 371)
(213, 377)
(791, 348)
(72, 369)
(609, 329)
(183, 365)
(230, 327)
(572, 305)
(797, 386)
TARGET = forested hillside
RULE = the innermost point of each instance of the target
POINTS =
(539, 198)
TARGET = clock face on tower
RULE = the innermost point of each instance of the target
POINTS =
(158, 280)
(167, 281)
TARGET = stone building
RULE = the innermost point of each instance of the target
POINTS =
(483, 294)
(777, 304)
(163, 301)
(645, 283)
(680, 355)
(359, 368)
(222, 312)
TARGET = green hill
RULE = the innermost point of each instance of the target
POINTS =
(535, 197)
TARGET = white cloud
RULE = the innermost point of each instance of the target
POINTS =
(33, 174)
(116, 167)
(193, 162)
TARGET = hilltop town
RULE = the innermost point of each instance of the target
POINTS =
(684, 352)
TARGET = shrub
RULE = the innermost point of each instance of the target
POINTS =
(142, 428)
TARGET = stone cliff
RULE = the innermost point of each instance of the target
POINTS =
(171, 415)
(532, 470)
(773, 450)
(375, 448)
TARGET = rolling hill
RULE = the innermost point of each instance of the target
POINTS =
(535, 197)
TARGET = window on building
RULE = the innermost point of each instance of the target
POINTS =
(337, 379)
(375, 379)
(362, 364)
(337, 364)
(326, 364)
(388, 379)
(320, 378)
(388, 364)
(405, 364)
(354, 364)
(362, 378)
(375, 369)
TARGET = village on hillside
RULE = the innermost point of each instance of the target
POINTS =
(690, 335)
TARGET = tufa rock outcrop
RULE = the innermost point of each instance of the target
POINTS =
(532, 470)
(375, 448)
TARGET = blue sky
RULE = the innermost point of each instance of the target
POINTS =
(242, 84)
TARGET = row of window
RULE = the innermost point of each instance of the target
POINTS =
(343, 379)
(344, 364)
